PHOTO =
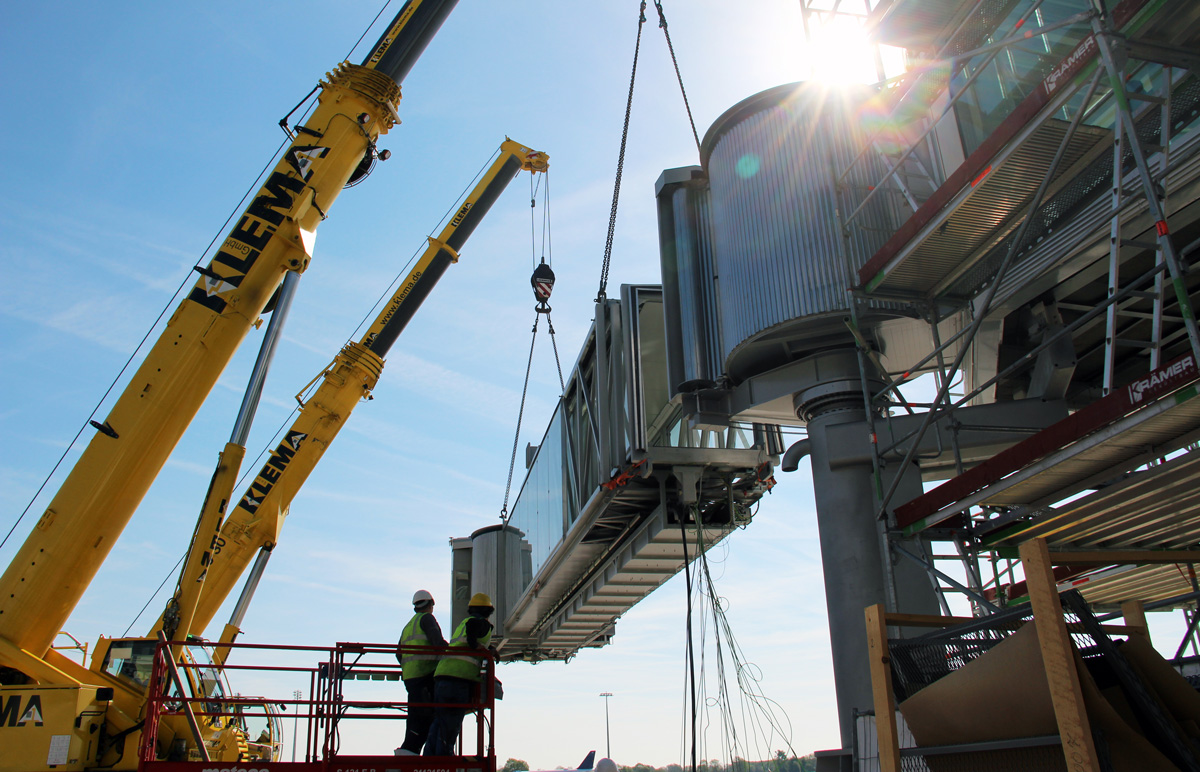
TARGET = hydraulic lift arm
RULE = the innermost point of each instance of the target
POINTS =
(256, 520)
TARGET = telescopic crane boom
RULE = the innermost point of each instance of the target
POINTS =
(255, 522)
(273, 235)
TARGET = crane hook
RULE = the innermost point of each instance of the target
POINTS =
(543, 283)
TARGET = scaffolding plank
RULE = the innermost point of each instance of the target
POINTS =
(932, 507)
(881, 689)
(978, 164)
(1156, 508)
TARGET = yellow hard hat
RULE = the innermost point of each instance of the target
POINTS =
(480, 599)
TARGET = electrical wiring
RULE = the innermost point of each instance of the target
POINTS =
(749, 724)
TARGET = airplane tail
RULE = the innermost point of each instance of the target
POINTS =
(589, 762)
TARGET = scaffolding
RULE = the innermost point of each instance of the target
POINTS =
(1044, 156)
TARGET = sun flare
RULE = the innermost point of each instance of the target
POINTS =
(839, 51)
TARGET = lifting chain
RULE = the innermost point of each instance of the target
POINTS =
(662, 23)
(612, 218)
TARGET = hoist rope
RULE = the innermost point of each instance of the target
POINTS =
(612, 217)
(368, 29)
(390, 290)
(533, 224)
(512, 462)
(547, 241)
(662, 22)
(154, 595)
(535, 183)
(557, 362)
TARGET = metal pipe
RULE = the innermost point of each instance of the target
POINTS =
(256, 572)
(1017, 365)
(916, 73)
(189, 714)
(857, 571)
(1126, 124)
(928, 566)
(266, 353)
(797, 451)
(953, 101)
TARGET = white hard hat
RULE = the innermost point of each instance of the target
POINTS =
(422, 596)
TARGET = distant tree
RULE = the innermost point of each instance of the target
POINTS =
(515, 765)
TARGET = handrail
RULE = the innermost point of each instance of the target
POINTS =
(324, 710)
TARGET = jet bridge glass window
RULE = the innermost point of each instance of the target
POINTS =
(539, 511)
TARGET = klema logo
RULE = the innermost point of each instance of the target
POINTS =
(12, 715)
(269, 474)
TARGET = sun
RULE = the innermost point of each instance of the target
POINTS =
(839, 51)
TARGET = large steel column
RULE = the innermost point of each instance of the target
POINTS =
(852, 555)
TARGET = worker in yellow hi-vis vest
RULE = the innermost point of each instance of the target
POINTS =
(458, 675)
(417, 668)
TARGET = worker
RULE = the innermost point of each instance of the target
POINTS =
(417, 669)
(458, 676)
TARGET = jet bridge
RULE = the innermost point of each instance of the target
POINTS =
(621, 491)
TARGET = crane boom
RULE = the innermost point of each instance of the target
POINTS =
(274, 235)
(257, 518)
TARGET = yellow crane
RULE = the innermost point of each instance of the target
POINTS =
(55, 713)
(254, 523)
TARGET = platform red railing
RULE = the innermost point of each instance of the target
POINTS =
(190, 695)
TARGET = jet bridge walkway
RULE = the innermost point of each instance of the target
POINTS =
(620, 492)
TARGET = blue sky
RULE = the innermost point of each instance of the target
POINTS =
(133, 129)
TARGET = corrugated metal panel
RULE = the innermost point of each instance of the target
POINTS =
(929, 23)
(697, 286)
(771, 162)
(1090, 224)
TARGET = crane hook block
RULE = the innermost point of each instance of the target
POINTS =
(543, 284)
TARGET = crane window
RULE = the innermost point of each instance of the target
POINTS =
(131, 660)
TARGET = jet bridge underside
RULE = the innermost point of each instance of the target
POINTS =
(619, 495)
(637, 538)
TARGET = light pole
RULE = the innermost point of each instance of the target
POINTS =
(607, 738)
(295, 722)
